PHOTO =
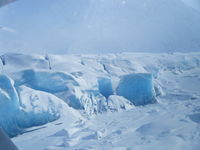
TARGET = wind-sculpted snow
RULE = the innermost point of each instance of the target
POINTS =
(138, 88)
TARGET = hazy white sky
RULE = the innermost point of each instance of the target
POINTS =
(98, 26)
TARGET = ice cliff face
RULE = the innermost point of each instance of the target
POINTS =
(138, 88)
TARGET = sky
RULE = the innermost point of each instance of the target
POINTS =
(100, 26)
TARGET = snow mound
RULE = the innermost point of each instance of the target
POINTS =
(25, 107)
(138, 88)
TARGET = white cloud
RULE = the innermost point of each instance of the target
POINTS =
(7, 29)
(5, 2)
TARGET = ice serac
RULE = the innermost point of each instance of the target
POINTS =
(93, 102)
(138, 88)
(105, 86)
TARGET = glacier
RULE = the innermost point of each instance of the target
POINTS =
(101, 101)
(84, 98)
(84, 86)
(39, 94)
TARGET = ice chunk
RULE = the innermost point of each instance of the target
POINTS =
(60, 84)
(38, 107)
(47, 81)
(9, 106)
(27, 107)
(138, 88)
(118, 103)
(93, 102)
(105, 86)
(66, 87)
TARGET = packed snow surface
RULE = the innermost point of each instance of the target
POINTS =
(115, 101)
